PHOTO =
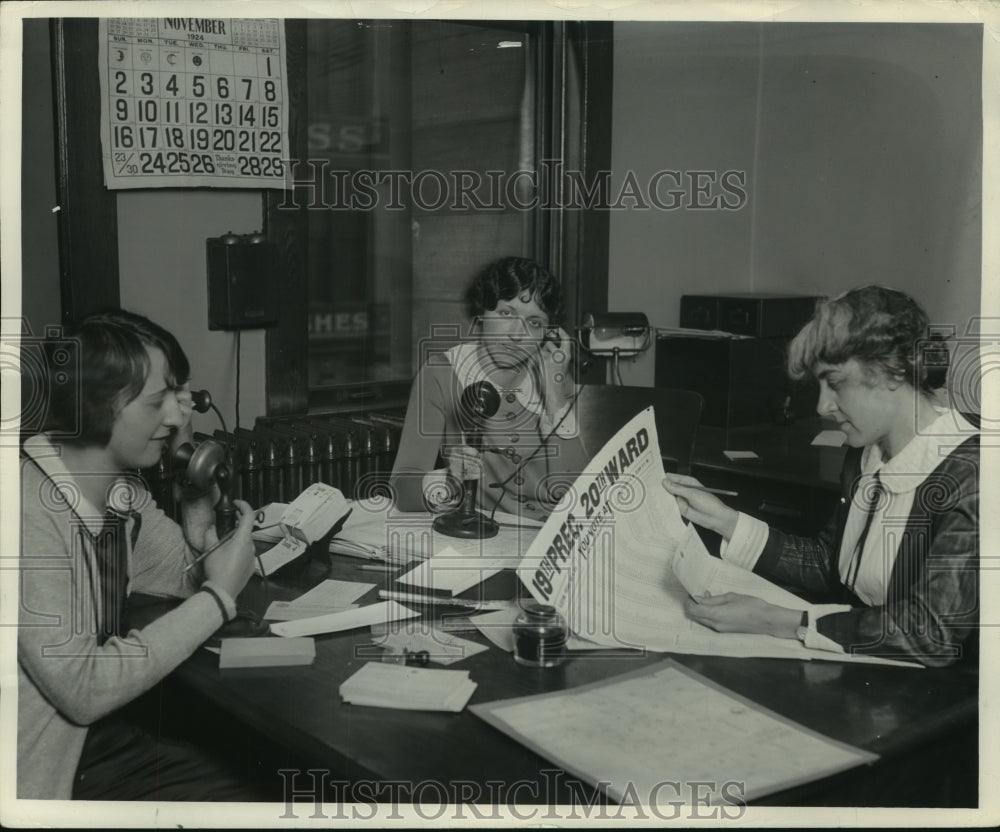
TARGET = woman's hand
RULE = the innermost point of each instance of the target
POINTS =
(442, 488)
(464, 462)
(735, 613)
(701, 507)
(231, 565)
(556, 370)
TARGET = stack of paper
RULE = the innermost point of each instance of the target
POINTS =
(412, 688)
(266, 652)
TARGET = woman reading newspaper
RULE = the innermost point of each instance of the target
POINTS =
(897, 564)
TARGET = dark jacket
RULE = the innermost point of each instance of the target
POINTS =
(931, 612)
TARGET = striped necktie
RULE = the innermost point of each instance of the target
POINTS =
(112, 564)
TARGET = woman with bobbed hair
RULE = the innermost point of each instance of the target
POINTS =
(895, 572)
(518, 347)
(91, 537)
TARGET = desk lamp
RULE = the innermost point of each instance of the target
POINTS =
(615, 335)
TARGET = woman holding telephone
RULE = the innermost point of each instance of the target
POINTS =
(518, 452)
(91, 535)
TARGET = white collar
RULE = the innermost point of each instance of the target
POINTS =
(123, 496)
(467, 362)
(920, 456)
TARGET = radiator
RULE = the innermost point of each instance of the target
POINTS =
(281, 456)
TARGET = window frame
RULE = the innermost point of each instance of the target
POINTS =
(572, 66)
(573, 70)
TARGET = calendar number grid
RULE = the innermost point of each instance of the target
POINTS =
(206, 108)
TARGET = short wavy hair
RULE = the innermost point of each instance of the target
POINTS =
(514, 277)
(879, 327)
(112, 370)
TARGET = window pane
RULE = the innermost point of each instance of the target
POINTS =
(406, 119)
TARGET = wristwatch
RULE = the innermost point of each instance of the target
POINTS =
(803, 628)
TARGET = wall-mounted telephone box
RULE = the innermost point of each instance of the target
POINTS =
(242, 275)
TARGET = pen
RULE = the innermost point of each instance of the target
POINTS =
(417, 598)
(720, 491)
(225, 538)
(376, 567)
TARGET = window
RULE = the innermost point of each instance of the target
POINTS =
(417, 131)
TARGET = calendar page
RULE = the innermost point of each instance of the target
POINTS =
(193, 102)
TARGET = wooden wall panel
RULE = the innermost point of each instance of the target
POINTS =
(88, 217)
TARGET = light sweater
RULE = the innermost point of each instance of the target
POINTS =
(66, 679)
(529, 455)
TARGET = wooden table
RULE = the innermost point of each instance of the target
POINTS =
(922, 723)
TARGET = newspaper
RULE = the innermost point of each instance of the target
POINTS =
(612, 556)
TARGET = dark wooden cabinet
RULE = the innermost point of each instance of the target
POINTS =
(793, 485)
(742, 380)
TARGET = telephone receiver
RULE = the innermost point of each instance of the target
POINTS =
(207, 464)
(202, 400)
(478, 401)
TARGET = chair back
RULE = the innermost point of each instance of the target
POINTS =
(604, 409)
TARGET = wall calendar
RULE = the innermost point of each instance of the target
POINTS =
(193, 102)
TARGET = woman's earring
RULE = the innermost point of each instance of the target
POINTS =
(476, 329)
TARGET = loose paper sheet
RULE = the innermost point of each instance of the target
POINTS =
(333, 593)
(326, 597)
(450, 571)
(498, 627)
(347, 620)
(288, 611)
(667, 724)
(285, 551)
(830, 438)
(418, 634)
(378, 531)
